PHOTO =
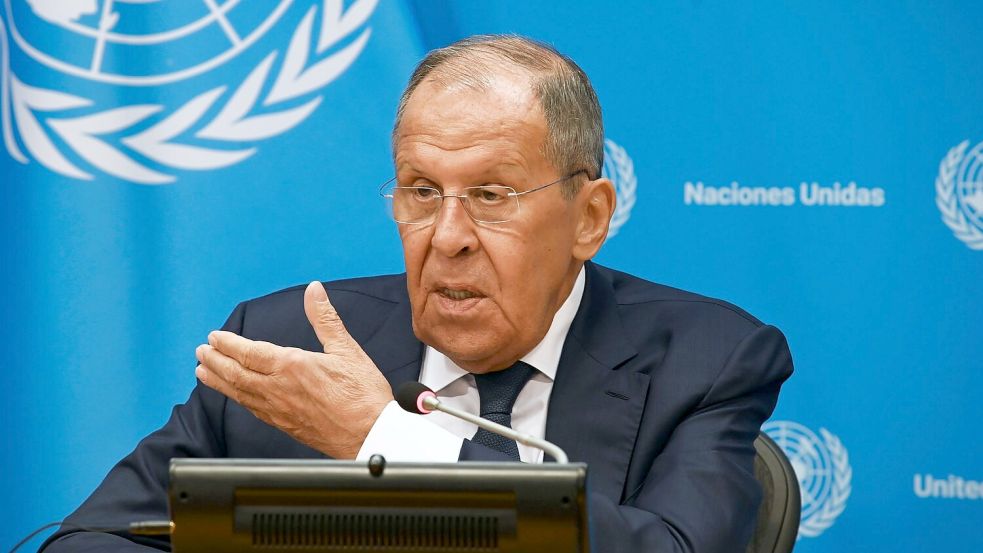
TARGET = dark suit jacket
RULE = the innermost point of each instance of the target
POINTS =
(661, 392)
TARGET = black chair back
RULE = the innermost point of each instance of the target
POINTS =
(778, 516)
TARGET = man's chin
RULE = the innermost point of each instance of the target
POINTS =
(472, 350)
(462, 349)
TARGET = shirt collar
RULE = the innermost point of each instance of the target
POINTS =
(438, 371)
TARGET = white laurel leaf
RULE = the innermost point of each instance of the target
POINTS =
(79, 133)
(626, 192)
(227, 125)
(35, 138)
(328, 69)
(335, 25)
(233, 123)
(5, 114)
(42, 99)
(945, 199)
(272, 124)
(294, 80)
(154, 141)
(5, 122)
(179, 121)
(293, 62)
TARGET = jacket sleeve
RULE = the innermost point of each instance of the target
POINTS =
(700, 494)
(136, 488)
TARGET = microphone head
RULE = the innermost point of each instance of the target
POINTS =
(410, 397)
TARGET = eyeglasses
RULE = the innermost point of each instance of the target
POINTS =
(491, 203)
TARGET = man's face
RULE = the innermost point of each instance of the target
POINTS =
(484, 294)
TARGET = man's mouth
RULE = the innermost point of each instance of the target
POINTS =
(457, 294)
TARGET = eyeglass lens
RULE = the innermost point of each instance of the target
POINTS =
(420, 204)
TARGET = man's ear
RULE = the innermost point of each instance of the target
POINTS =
(596, 201)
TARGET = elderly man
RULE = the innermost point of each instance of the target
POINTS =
(500, 206)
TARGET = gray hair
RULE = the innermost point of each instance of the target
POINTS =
(575, 131)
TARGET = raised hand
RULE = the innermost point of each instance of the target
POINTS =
(327, 400)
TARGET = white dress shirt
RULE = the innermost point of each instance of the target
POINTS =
(402, 436)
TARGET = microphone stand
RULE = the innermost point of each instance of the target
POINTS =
(434, 404)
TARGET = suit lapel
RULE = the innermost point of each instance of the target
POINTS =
(595, 408)
(395, 349)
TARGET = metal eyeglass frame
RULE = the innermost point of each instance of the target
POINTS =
(463, 198)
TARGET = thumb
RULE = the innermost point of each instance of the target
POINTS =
(322, 315)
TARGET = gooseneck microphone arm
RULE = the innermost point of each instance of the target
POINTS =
(550, 448)
(417, 398)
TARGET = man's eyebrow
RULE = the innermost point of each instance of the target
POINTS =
(408, 170)
(504, 172)
(404, 165)
(501, 173)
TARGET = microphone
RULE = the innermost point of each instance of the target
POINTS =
(417, 398)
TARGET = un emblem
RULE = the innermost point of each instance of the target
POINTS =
(959, 193)
(134, 48)
(822, 467)
(620, 170)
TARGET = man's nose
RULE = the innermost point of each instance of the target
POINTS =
(454, 230)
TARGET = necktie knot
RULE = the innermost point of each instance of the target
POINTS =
(498, 390)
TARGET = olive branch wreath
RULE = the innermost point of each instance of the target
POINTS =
(625, 182)
(300, 75)
(840, 489)
(945, 199)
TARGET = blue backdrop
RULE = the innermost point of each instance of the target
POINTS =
(818, 164)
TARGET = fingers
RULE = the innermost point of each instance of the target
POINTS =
(225, 375)
(324, 319)
(256, 356)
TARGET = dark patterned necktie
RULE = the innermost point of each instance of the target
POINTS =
(497, 392)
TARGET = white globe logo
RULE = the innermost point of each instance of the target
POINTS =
(619, 167)
(155, 43)
(959, 193)
(126, 27)
(822, 468)
(970, 183)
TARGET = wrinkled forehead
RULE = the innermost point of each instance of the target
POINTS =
(455, 114)
(449, 93)
(506, 98)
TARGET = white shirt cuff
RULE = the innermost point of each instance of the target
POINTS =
(399, 435)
